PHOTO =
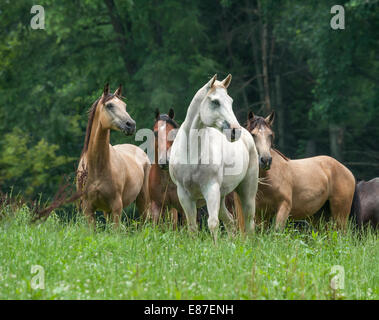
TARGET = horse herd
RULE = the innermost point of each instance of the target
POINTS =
(211, 159)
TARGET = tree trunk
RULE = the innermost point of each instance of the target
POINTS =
(336, 133)
(265, 68)
(254, 48)
(119, 29)
(264, 44)
(280, 113)
(310, 149)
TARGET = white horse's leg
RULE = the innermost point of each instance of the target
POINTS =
(212, 197)
(248, 209)
(247, 191)
(227, 218)
(189, 207)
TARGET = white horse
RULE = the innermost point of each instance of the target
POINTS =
(221, 166)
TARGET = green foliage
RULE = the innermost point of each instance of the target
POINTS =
(25, 166)
(163, 51)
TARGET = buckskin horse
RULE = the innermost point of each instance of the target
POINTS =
(224, 163)
(111, 177)
(298, 188)
(162, 190)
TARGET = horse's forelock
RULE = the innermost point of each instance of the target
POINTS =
(257, 122)
(166, 118)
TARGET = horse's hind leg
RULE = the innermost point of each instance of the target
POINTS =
(282, 215)
(174, 218)
(189, 207)
(155, 211)
(143, 198)
(247, 191)
(340, 210)
(227, 218)
(89, 213)
(117, 212)
(248, 209)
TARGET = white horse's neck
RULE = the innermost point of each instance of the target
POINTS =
(192, 120)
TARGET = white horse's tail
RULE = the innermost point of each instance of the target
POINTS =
(239, 212)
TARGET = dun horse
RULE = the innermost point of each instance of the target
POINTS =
(368, 192)
(221, 165)
(298, 188)
(162, 190)
(111, 177)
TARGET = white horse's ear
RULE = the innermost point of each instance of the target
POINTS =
(118, 92)
(270, 118)
(212, 81)
(226, 81)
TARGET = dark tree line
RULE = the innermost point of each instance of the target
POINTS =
(283, 55)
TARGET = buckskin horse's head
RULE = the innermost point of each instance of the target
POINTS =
(113, 114)
(260, 129)
(164, 130)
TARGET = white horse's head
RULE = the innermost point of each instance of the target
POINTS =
(216, 108)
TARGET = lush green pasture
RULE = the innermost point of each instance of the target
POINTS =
(145, 262)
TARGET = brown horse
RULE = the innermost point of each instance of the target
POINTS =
(161, 188)
(111, 177)
(368, 192)
(298, 188)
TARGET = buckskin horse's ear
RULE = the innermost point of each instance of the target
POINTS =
(106, 89)
(226, 81)
(171, 113)
(270, 118)
(211, 82)
(157, 113)
(118, 92)
(250, 116)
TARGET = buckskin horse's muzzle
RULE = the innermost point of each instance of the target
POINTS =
(265, 162)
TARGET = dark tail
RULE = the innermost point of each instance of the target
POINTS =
(355, 211)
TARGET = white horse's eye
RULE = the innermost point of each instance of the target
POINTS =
(216, 103)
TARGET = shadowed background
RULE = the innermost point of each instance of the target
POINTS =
(283, 55)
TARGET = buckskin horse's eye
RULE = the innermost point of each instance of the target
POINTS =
(110, 105)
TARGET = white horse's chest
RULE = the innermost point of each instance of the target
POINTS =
(212, 159)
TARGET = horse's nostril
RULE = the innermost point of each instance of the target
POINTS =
(130, 125)
(233, 134)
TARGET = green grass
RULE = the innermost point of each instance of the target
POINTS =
(145, 262)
